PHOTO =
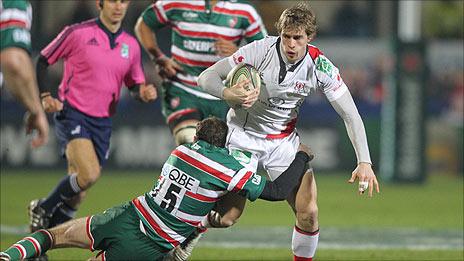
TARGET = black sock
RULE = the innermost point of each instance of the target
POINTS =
(66, 189)
(63, 213)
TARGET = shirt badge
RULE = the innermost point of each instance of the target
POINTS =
(125, 51)
(175, 102)
(300, 87)
(232, 22)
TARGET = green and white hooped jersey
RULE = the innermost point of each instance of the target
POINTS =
(15, 23)
(196, 26)
(193, 178)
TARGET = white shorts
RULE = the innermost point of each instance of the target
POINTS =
(274, 154)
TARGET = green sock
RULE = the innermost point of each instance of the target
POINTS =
(33, 245)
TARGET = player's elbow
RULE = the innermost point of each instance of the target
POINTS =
(201, 81)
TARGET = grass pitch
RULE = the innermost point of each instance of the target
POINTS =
(403, 222)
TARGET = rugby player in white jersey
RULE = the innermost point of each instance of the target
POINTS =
(262, 130)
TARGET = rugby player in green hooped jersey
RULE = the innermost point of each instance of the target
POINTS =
(203, 32)
(16, 65)
(194, 177)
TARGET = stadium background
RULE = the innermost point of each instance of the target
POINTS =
(360, 38)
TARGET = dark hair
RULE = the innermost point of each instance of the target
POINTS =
(299, 16)
(213, 131)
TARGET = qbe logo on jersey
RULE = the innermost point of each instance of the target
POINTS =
(125, 51)
(171, 188)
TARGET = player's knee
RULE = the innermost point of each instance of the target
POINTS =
(87, 177)
(185, 135)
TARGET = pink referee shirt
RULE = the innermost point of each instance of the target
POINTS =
(96, 65)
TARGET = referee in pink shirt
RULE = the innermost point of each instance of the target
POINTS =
(99, 58)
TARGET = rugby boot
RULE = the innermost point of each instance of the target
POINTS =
(38, 217)
(4, 257)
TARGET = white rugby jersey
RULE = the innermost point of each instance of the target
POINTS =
(284, 87)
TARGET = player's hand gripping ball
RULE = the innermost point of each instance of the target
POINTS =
(243, 71)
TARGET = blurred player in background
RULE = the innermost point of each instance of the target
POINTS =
(99, 57)
(203, 32)
(16, 65)
(193, 178)
(264, 131)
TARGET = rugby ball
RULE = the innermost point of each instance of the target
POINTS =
(241, 72)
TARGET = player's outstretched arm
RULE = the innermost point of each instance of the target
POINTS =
(148, 40)
(19, 76)
(280, 188)
(347, 110)
(167, 66)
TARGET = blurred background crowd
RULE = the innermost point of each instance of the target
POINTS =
(356, 35)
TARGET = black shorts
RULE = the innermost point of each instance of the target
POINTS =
(72, 124)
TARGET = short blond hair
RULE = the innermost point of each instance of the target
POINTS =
(299, 16)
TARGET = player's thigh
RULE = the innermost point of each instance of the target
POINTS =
(280, 153)
(305, 196)
(117, 232)
(81, 155)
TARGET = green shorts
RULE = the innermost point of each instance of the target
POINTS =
(179, 105)
(117, 233)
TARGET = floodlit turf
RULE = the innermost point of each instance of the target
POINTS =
(284, 254)
(435, 205)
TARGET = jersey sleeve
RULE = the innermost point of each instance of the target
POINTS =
(328, 76)
(136, 74)
(155, 16)
(61, 47)
(247, 183)
(255, 29)
(15, 23)
(251, 53)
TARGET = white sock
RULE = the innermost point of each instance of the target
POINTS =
(304, 244)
